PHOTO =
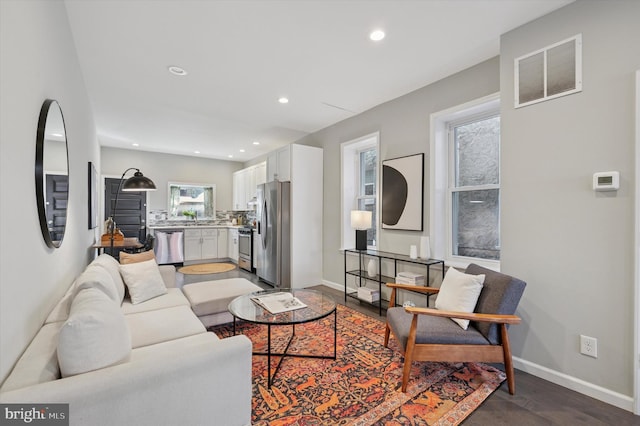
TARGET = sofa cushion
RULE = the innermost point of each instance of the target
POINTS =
(112, 266)
(127, 258)
(38, 363)
(148, 328)
(143, 280)
(212, 297)
(459, 292)
(60, 312)
(97, 277)
(173, 297)
(95, 336)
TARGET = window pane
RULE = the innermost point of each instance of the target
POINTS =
(476, 224)
(477, 149)
(369, 204)
(368, 161)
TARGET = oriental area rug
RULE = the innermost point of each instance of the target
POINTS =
(360, 387)
(207, 268)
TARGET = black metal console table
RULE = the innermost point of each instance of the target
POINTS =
(362, 276)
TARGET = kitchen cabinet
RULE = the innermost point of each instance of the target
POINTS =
(245, 182)
(232, 245)
(279, 164)
(261, 173)
(239, 192)
(200, 244)
(222, 239)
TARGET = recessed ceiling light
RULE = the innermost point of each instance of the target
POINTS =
(376, 35)
(230, 156)
(135, 144)
(196, 152)
(177, 70)
(242, 150)
(283, 100)
(256, 143)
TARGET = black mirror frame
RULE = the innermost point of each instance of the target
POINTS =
(39, 171)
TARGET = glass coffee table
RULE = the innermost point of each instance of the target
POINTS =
(318, 306)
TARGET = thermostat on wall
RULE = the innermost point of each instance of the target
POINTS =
(606, 181)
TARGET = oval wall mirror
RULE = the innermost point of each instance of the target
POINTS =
(52, 173)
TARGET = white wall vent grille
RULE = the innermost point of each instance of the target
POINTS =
(549, 73)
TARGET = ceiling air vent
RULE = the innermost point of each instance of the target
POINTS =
(549, 73)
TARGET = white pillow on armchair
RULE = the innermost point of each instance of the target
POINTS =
(459, 292)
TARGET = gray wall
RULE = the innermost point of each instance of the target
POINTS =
(403, 124)
(165, 168)
(38, 62)
(572, 245)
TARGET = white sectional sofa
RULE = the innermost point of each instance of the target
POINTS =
(122, 361)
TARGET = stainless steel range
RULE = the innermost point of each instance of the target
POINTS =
(245, 248)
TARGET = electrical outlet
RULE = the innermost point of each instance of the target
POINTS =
(589, 346)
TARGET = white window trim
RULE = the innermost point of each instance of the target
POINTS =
(349, 187)
(439, 194)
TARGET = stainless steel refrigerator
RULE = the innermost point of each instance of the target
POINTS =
(274, 250)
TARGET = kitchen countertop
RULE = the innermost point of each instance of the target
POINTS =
(183, 226)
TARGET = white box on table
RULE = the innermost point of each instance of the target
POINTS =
(368, 294)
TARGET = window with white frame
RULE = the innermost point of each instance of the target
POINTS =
(465, 183)
(360, 175)
(366, 198)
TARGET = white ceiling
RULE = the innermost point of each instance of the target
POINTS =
(241, 56)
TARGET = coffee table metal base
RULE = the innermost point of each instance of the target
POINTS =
(285, 353)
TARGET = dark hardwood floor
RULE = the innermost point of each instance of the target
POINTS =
(537, 401)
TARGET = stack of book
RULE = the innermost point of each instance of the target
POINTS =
(410, 278)
(368, 294)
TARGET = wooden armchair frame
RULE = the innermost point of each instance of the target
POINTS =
(500, 353)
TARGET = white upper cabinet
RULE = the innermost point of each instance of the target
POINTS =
(245, 183)
(261, 173)
(279, 165)
(239, 193)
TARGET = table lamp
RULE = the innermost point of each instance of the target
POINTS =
(361, 221)
(137, 182)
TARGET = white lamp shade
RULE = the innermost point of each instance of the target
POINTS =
(360, 219)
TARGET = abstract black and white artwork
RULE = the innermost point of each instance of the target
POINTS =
(402, 193)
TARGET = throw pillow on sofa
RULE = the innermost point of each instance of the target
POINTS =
(95, 335)
(127, 258)
(459, 292)
(144, 281)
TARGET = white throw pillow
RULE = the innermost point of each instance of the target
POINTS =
(144, 281)
(95, 335)
(459, 292)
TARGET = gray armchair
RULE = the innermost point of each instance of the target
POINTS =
(429, 334)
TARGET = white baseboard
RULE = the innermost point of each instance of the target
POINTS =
(333, 285)
(594, 391)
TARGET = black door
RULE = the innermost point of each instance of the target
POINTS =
(57, 190)
(131, 214)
